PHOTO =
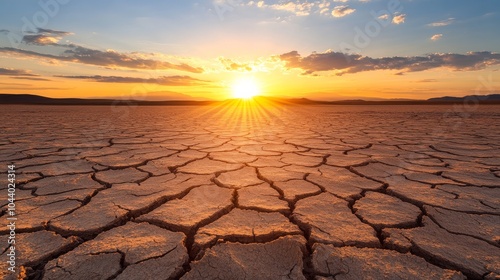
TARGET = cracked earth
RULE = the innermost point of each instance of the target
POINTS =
(248, 191)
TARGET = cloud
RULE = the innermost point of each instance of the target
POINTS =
(427, 81)
(163, 80)
(53, 32)
(324, 11)
(324, 4)
(30, 78)
(296, 8)
(342, 11)
(230, 65)
(344, 63)
(45, 37)
(384, 17)
(305, 8)
(15, 72)
(40, 39)
(398, 19)
(79, 54)
(436, 37)
(25, 86)
(109, 58)
(315, 62)
(324, 7)
(442, 23)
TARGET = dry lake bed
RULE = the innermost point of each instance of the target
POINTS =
(248, 191)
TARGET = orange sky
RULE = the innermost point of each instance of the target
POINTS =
(321, 50)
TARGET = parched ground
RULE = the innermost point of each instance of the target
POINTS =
(253, 191)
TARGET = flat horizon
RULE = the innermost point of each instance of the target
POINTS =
(484, 99)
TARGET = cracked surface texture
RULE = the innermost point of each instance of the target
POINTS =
(249, 191)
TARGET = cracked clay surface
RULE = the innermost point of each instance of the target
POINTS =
(249, 191)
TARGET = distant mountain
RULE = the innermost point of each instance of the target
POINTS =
(483, 99)
(158, 96)
(328, 96)
(490, 97)
(41, 100)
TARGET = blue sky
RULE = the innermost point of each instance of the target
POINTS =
(125, 25)
(200, 32)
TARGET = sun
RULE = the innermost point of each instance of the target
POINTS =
(245, 88)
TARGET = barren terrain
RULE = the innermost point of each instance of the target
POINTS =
(247, 191)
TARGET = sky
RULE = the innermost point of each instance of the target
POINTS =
(323, 50)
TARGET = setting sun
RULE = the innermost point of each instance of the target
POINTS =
(245, 88)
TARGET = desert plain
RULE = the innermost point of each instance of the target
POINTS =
(244, 190)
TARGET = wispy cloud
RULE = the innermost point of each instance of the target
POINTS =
(45, 37)
(231, 65)
(31, 78)
(15, 72)
(54, 32)
(344, 63)
(427, 81)
(20, 74)
(342, 11)
(28, 87)
(384, 17)
(436, 37)
(305, 8)
(108, 58)
(398, 19)
(163, 80)
(442, 22)
(294, 7)
(78, 54)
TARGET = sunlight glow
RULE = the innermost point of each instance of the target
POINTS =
(245, 88)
